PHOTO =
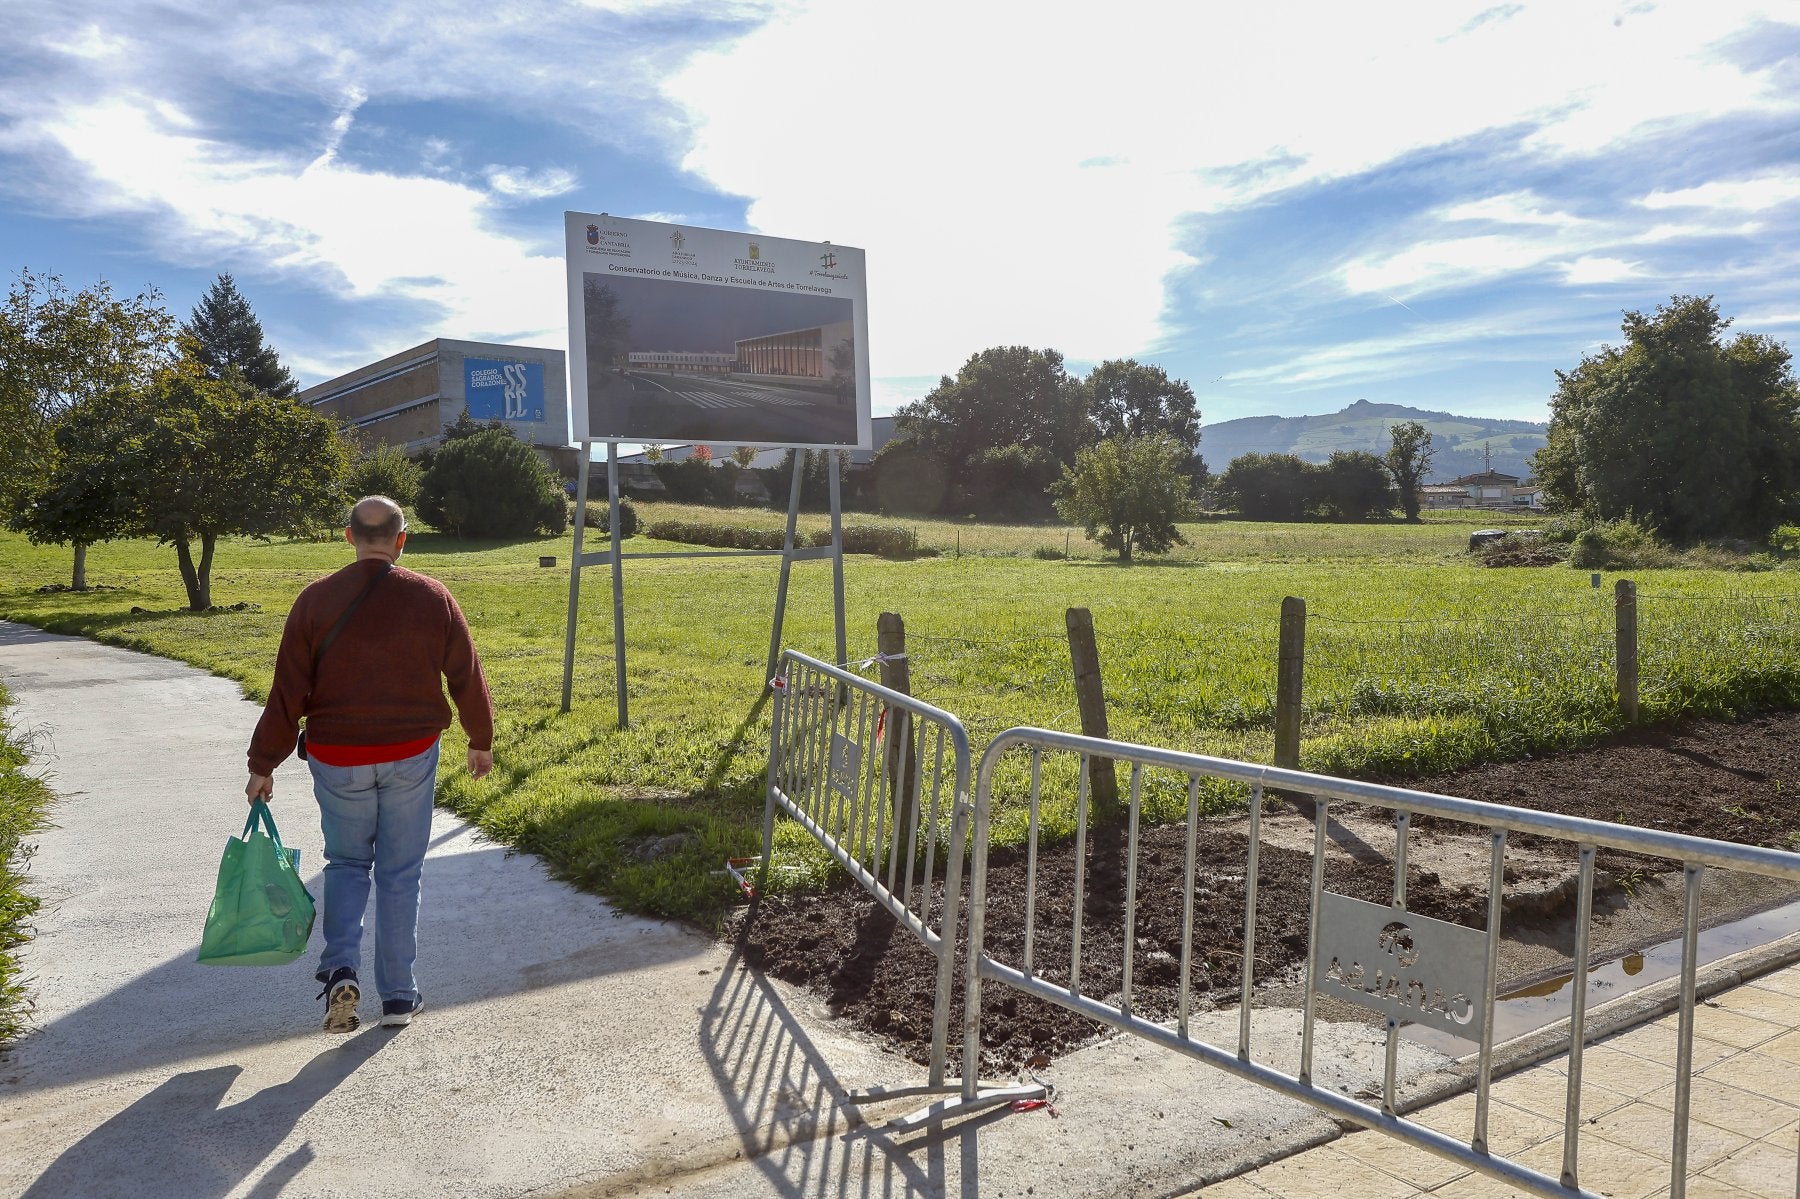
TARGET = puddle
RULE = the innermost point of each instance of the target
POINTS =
(1531, 1008)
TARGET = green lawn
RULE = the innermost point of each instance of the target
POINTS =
(1417, 661)
(24, 807)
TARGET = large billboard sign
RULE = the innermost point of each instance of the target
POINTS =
(703, 335)
(496, 390)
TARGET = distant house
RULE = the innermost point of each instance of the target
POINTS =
(1489, 489)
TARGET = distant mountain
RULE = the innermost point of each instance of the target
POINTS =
(1458, 442)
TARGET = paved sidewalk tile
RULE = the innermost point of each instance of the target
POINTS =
(1743, 1137)
(1405, 1162)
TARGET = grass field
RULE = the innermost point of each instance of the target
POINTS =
(24, 807)
(1417, 660)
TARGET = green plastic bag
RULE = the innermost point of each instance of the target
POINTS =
(261, 914)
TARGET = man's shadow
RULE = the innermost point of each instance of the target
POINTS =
(177, 1140)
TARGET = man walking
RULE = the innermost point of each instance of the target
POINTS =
(365, 658)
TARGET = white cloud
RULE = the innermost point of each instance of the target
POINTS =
(1755, 193)
(1033, 180)
(1590, 270)
(522, 183)
(375, 234)
(1512, 208)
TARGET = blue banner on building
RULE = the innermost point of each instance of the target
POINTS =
(503, 390)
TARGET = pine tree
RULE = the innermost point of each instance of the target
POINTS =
(230, 336)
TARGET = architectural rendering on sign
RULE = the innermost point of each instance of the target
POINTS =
(698, 335)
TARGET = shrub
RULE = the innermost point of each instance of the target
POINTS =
(721, 536)
(858, 539)
(1785, 540)
(386, 470)
(491, 484)
(598, 514)
(1621, 545)
(890, 541)
(1048, 553)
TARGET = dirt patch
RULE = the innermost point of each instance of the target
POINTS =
(1734, 782)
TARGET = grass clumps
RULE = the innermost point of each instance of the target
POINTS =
(24, 812)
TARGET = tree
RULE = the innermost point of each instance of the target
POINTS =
(82, 501)
(205, 458)
(229, 337)
(491, 484)
(1408, 461)
(1267, 486)
(59, 349)
(1126, 398)
(1352, 485)
(1127, 493)
(1012, 482)
(1677, 429)
(1005, 396)
(386, 470)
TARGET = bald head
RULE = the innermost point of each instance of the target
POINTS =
(376, 520)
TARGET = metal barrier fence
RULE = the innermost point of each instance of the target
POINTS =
(1406, 967)
(881, 781)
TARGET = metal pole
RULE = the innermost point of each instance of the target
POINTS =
(581, 493)
(618, 584)
(787, 562)
(837, 558)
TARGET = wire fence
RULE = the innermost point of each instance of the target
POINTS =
(1398, 695)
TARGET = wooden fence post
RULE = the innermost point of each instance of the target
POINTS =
(1626, 633)
(1090, 697)
(1290, 678)
(896, 675)
(1290, 682)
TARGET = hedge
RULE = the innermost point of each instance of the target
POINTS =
(888, 541)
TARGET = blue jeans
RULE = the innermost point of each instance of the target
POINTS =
(376, 818)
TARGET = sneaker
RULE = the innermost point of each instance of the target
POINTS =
(398, 1013)
(341, 995)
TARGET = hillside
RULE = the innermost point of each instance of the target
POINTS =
(1458, 441)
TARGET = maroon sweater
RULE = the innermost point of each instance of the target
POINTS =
(382, 681)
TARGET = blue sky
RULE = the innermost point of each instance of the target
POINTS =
(1291, 206)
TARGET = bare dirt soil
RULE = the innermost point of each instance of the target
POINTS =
(1732, 782)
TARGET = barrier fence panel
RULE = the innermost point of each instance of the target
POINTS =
(1406, 967)
(881, 781)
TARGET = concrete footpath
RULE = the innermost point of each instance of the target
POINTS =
(564, 1048)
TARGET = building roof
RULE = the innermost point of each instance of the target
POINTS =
(1488, 478)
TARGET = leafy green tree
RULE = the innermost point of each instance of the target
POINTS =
(230, 337)
(83, 501)
(1126, 398)
(1012, 482)
(1352, 485)
(1267, 486)
(386, 470)
(1687, 433)
(1004, 396)
(202, 459)
(59, 349)
(1408, 461)
(491, 484)
(1128, 493)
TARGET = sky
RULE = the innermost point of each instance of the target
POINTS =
(1291, 206)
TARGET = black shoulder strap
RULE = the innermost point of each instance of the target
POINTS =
(356, 603)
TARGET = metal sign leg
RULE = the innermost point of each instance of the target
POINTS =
(618, 584)
(787, 563)
(837, 557)
(581, 494)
